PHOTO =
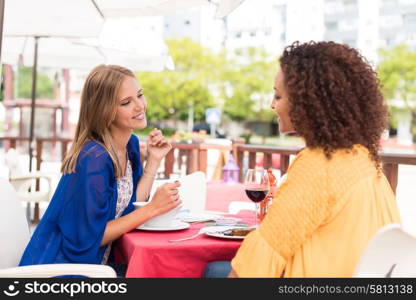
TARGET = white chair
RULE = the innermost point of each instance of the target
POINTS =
(391, 253)
(14, 236)
(193, 191)
(25, 183)
(236, 206)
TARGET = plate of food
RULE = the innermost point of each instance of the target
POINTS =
(236, 233)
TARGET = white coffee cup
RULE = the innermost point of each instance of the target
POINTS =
(165, 220)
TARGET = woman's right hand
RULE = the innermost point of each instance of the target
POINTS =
(165, 198)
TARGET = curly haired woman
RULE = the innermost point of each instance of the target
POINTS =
(335, 197)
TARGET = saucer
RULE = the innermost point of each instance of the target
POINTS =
(176, 225)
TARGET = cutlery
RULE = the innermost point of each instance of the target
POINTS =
(188, 238)
(201, 231)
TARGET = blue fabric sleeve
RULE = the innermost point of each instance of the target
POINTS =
(72, 228)
(88, 206)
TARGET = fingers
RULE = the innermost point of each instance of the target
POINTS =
(176, 183)
(173, 192)
(175, 197)
(156, 138)
(154, 132)
(176, 203)
(158, 141)
(170, 190)
(172, 185)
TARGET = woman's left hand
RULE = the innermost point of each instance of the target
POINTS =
(157, 145)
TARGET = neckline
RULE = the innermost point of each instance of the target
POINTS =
(127, 165)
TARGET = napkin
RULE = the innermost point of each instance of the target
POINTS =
(192, 217)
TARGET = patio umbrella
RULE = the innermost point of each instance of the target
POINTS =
(52, 53)
(134, 43)
(126, 8)
(225, 7)
(49, 19)
(76, 54)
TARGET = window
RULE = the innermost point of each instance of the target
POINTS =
(389, 21)
(331, 26)
(350, 42)
(410, 19)
(348, 24)
(350, 4)
(390, 3)
(333, 7)
(268, 31)
(407, 2)
(389, 42)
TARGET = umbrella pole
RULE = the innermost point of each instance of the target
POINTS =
(32, 108)
(1, 23)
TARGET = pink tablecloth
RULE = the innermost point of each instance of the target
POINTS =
(220, 195)
(150, 254)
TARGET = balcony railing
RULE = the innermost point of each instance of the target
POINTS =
(196, 156)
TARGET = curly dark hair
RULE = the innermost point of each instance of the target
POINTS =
(334, 95)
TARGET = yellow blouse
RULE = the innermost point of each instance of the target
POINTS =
(321, 219)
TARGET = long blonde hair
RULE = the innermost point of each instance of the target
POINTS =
(98, 110)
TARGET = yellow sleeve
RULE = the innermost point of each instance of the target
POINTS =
(256, 258)
(299, 207)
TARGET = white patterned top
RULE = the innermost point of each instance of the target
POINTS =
(124, 192)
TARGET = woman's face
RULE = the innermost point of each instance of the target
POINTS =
(280, 105)
(131, 106)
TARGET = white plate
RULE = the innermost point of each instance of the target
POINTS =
(223, 236)
(177, 225)
(217, 231)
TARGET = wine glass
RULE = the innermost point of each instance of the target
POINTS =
(257, 186)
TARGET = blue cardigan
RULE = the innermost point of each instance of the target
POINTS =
(73, 225)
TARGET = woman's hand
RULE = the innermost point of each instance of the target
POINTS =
(165, 198)
(157, 145)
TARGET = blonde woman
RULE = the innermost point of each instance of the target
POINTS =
(103, 175)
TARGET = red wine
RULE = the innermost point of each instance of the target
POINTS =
(257, 195)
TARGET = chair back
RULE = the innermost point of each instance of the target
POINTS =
(236, 206)
(13, 163)
(391, 253)
(15, 169)
(14, 229)
(193, 191)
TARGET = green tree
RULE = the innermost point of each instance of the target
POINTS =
(397, 71)
(170, 94)
(44, 86)
(248, 85)
(241, 86)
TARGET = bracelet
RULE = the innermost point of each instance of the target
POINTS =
(146, 174)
